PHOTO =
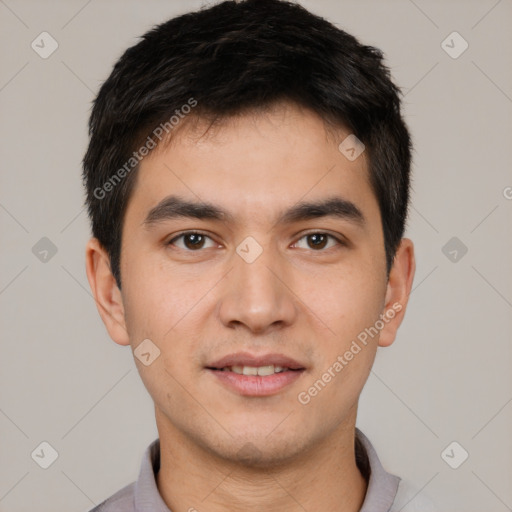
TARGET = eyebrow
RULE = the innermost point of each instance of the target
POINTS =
(173, 207)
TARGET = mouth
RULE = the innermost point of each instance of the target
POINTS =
(250, 375)
(245, 363)
(262, 371)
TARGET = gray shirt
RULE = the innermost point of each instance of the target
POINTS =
(385, 493)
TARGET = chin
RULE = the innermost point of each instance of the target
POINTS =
(259, 452)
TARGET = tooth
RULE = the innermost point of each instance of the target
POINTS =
(266, 370)
(250, 370)
(253, 370)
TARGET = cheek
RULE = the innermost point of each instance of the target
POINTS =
(345, 301)
(154, 313)
(164, 307)
(155, 299)
(347, 355)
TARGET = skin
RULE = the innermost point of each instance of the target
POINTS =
(222, 451)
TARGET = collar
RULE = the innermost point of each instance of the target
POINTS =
(382, 486)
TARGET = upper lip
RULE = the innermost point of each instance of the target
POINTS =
(247, 359)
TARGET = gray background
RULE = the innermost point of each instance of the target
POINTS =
(446, 378)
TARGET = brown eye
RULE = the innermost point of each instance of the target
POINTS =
(319, 241)
(192, 241)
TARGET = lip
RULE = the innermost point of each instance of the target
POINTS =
(256, 385)
(247, 359)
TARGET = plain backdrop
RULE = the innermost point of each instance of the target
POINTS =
(446, 378)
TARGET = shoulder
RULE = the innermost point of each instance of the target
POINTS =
(121, 501)
(411, 499)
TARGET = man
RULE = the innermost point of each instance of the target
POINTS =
(248, 181)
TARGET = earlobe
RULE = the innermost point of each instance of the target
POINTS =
(105, 291)
(398, 289)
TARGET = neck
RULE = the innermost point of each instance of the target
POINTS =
(325, 477)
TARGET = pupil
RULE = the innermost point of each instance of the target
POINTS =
(195, 239)
(317, 237)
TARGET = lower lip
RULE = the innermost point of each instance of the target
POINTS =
(256, 385)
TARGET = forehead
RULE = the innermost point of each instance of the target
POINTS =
(254, 164)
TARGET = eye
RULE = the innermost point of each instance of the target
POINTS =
(319, 241)
(192, 241)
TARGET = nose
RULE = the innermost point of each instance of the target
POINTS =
(256, 294)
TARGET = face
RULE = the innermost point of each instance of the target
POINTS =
(261, 273)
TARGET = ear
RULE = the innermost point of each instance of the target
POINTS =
(397, 292)
(105, 291)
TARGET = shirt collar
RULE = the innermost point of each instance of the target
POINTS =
(382, 486)
(381, 492)
(147, 498)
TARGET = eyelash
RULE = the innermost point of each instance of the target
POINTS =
(185, 233)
